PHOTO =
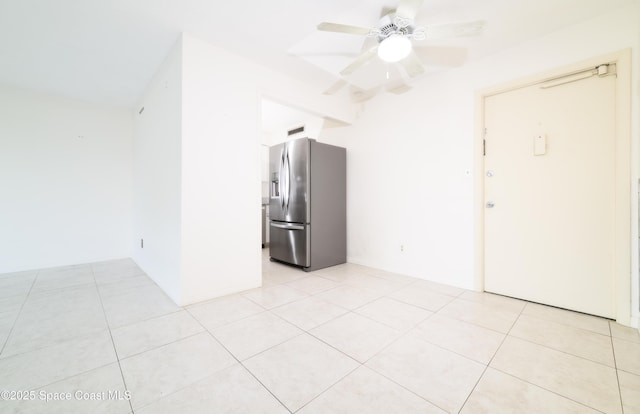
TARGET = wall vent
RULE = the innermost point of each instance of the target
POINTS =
(295, 131)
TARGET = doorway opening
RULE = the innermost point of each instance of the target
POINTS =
(280, 123)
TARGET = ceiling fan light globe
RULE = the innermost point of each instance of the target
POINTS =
(394, 48)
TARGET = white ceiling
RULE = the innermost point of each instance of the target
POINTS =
(107, 50)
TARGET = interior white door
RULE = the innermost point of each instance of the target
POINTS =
(550, 194)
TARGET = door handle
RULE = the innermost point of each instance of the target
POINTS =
(281, 178)
(287, 226)
(491, 204)
(288, 180)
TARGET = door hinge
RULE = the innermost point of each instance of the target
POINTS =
(484, 142)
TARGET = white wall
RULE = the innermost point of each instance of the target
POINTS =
(221, 195)
(197, 169)
(332, 134)
(407, 188)
(221, 177)
(408, 155)
(157, 176)
(65, 180)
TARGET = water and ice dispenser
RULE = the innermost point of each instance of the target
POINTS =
(275, 188)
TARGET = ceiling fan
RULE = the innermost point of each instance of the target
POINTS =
(391, 40)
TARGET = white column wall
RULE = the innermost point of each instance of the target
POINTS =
(157, 176)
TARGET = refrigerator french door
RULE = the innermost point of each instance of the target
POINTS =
(288, 206)
(307, 204)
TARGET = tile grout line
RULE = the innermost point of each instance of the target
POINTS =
(307, 330)
(128, 324)
(437, 346)
(47, 292)
(240, 362)
(615, 364)
(402, 335)
(566, 352)
(449, 350)
(185, 386)
(470, 323)
(286, 303)
(44, 347)
(89, 335)
(41, 387)
(524, 380)
(163, 345)
(228, 322)
(540, 318)
(547, 390)
(389, 326)
(6, 341)
(304, 331)
(486, 367)
(536, 343)
(104, 314)
(360, 364)
(519, 313)
(453, 298)
(330, 386)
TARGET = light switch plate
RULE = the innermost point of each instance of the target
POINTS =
(540, 144)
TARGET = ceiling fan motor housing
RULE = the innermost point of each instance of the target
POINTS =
(388, 26)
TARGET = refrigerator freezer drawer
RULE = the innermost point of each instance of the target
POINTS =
(289, 243)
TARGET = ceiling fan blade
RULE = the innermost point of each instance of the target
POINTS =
(361, 95)
(407, 9)
(360, 61)
(386, 10)
(335, 87)
(348, 55)
(368, 43)
(442, 31)
(399, 88)
(441, 55)
(412, 65)
(343, 28)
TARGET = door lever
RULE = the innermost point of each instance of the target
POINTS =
(490, 204)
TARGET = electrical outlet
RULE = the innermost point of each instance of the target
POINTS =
(402, 247)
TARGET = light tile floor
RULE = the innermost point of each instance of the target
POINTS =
(347, 339)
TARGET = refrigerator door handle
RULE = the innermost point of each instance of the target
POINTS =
(287, 226)
(281, 173)
(288, 180)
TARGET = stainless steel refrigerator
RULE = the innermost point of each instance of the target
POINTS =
(308, 204)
